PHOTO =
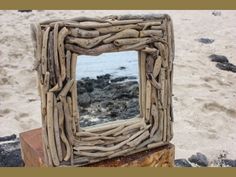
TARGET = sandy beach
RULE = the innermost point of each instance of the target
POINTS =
(204, 96)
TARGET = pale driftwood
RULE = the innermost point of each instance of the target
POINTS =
(66, 89)
(150, 50)
(111, 125)
(61, 127)
(51, 59)
(140, 124)
(44, 50)
(115, 29)
(95, 51)
(84, 25)
(149, 64)
(88, 143)
(96, 154)
(68, 60)
(162, 50)
(153, 81)
(125, 22)
(148, 33)
(75, 112)
(84, 19)
(161, 27)
(68, 125)
(157, 66)
(87, 43)
(154, 145)
(148, 101)
(120, 153)
(76, 32)
(154, 113)
(138, 140)
(56, 130)
(61, 50)
(143, 81)
(128, 41)
(140, 45)
(55, 49)
(50, 129)
(148, 24)
(127, 33)
(113, 131)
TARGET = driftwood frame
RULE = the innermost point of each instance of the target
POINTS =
(58, 43)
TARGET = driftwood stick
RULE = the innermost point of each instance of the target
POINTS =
(130, 127)
(50, 129)
(110, 125)
(148, 101)
(121, 152)
(75, 112)
(113, 131)
(76, 32)
(125, 22)
(157, 66)
(68, 60)
(55, 49)
(154, 112)
(96, 154)
(87, 43)
(128, 41)
(95, 51)
(83, 25)
(148, 24)
(143, 81)
(115, 29)
(92, 19)
(61, 50)
(63, 136)
(163, 53)
(66, 89)
(50, 63)
(127, 33)
(56, 130)
(68, 125)
(154, 145)
(44, 50)
(150, 33)
(138, 140)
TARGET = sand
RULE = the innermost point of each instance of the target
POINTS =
(204, 96)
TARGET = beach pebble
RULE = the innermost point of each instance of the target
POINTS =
(199, 159)
(226, 66)
(182, 163)
(122, 68)
(219, 58)
(228, 163)
(216, 13)
(205, 40)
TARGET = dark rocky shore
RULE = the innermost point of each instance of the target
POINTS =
(107, 99)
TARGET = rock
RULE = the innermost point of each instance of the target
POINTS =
(226, 66)
(199, 159)
(216, 13)
(205, 40)
(10, 155)
(122, 68)
(182, 163)
(106, 76)
(218, 58)
(24, 10)
(131, 77)
(8, 138)
(228, 163)
(84, 100)
(119, 79)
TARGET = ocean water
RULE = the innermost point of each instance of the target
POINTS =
(108, 63)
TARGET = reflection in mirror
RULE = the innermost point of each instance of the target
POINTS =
(107, 87)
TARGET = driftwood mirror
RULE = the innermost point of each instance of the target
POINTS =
(58, 44)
